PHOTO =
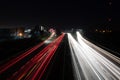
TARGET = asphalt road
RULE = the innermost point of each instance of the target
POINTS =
(12, 65)
(89, 62)
(60, 67)
(65, 58)
(31, 63)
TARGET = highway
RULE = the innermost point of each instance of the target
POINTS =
(64, 58)
(89, 61)
(13, 65)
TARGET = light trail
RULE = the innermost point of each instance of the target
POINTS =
(35, 68)
(113, 57)
(23, 55)
(89, 64)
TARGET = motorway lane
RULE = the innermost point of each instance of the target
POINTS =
(89, 64)
(7, 69)
(42, 67)
(105, 66)
(108, 55)
(7, 73)
(93, 47)
(38, 63)
(60, 67)
(82, 70)
(23, 55)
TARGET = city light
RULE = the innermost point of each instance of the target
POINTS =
(20, 34)
(103, 30)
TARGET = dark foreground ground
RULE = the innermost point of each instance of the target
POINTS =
(12, 48)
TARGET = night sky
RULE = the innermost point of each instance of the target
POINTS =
(61, 13)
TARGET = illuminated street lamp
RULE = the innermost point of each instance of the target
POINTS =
(20, 34)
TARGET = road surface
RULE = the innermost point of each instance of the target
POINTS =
(89, 62)
(64, 58)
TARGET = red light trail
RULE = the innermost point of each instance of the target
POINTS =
(38, 64)
(20, 57)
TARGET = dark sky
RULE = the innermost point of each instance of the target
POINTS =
(60, 13)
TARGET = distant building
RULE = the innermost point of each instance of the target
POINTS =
(11, 33)
(22, 32)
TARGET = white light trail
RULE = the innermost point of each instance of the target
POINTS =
(89, 64)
